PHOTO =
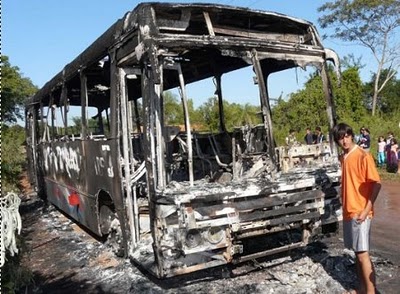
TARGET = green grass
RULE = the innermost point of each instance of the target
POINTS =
(390, 177)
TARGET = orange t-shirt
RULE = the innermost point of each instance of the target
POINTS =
(359, 174)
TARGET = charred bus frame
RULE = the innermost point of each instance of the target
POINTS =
(179, 201)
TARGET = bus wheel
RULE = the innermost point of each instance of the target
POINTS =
(110, 227)
(114, 239)
(106, 218)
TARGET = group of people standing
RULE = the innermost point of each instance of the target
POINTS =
(364, 139)
(314, 138)
(310, 137)
(389, 153)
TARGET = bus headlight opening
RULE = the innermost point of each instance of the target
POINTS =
(214, 235)
(193, 238)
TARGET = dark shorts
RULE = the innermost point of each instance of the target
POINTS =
(356, 235)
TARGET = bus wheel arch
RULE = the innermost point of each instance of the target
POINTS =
(106, 212)
(108, 222)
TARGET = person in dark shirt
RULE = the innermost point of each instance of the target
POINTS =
(308, 138)
(319, 136)
(365, 140)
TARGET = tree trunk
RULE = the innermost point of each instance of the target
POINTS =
(374, 100)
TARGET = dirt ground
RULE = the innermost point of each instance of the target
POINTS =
(66, 259)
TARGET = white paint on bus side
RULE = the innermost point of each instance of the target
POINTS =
(62, 159)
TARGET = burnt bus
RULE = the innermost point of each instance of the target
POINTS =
(172, 199)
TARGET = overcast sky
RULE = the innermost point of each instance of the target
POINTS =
(42, 36)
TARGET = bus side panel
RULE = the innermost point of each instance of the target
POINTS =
(74, 173)
(100, 172)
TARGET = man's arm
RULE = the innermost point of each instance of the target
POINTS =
(371, 200)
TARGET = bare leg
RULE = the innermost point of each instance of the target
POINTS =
(366, 272)
(361, 285)
(359, 276)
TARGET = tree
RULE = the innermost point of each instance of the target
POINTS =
(349, 96)
(15, 89)
(235, 115)
(388, 101)
(372, 24)
(173, 109)
(209, 114)
(13, 157)
(307, 107)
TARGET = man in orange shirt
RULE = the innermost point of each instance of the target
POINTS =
(360, 187)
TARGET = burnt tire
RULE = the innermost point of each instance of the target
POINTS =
(115, 242)
(111, 229)
(107, 215)
(332, 228)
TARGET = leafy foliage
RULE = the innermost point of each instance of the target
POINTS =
(206, 117)
(307, 107)
(15, 89)
(349, 96)
(389, 98)
(93, 126)
(13, 157)
(172, 109)
(371, 24)
(209, 114)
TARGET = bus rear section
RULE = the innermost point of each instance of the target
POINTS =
(178, 197)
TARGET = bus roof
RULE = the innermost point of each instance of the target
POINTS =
(153, 18)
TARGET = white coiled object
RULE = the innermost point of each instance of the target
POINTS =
(10, 224)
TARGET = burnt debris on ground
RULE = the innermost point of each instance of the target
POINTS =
(64, 258)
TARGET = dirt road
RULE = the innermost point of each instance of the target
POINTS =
(385, 240)
(65, 259)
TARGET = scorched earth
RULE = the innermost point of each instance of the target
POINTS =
(66, 259)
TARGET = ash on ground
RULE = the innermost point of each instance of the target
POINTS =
(66, 259)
